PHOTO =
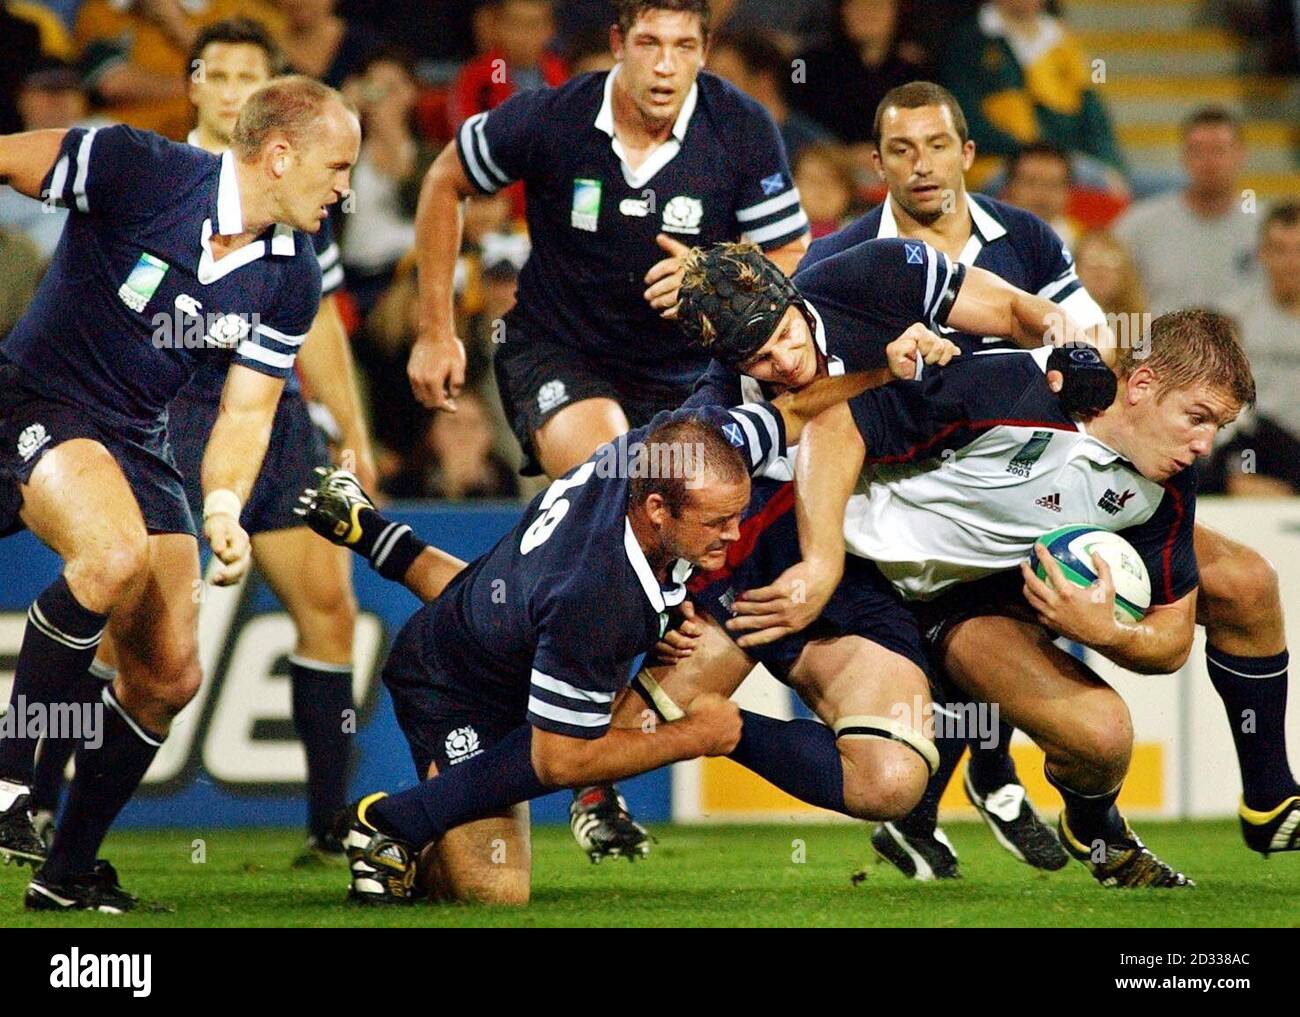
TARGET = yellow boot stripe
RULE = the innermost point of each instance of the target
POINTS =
(1260, 818)
(365, 803)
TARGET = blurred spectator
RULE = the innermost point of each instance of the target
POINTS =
(1021, 77)
(30, 36)
(823, 173)
(50, 98)
(845, 79)
(133, 54)
(754, 62)
(517, 62)
(20, 270)
(1194, 247)
(1265, 458)
(455, 459)
(1107, 271)
(589, 52)
(793, 21)
(1038, 180)
(379, 214)
(320, 43)
(438, 32)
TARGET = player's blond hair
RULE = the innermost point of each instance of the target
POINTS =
(1194, 347)
(290, 107)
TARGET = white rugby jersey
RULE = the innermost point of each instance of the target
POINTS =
(971, 464)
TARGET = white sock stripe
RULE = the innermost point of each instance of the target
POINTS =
(37, 617)
(110, 701)
(319, 665)
(384, 536)
(382, 557)
(1242, 674)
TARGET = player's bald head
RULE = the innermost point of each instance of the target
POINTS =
(295, 108)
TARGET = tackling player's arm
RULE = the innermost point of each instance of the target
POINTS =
(437, 365)
(326, 361)
(1159, 644)
(231, 462)
(26, 159)
(711, 727)
(986, 304)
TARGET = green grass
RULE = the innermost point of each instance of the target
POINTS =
(732, 875)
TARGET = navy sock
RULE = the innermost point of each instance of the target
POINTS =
(52, 759)
(58, 645)
(106, 778)
(991, 767)
(480, 786)
(923, 819)
(798, 756)
(1090, 818)
(389, 547)
(1253, 690)
(322, 693)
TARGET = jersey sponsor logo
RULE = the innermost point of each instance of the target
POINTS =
(1052, 501)
(186, 304)
(143, 282)
(1022, 463)
(551, 395)
(683, 214)
(33, 438)
(638, 208)
(1114, 503)
(773, 184)
(462, 744)
(915, 256)
(585, 214)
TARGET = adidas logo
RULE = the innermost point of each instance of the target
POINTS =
(1050, 501)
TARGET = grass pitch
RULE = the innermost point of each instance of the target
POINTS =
(772, 875)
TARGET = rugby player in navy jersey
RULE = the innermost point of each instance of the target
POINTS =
(228, 62)
(923, 151)
(621, 171)
(158, 233)
(505, 681)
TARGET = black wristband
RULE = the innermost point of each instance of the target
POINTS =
(1089, 385)
(395, 548)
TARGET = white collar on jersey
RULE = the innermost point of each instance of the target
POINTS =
(230, 220)
(662, 155)
(660, 599)
(985, 230)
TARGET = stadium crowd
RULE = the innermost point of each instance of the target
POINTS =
(418, 70)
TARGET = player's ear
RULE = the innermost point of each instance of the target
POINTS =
(1141, 384)
(616, 41)
(967, 155)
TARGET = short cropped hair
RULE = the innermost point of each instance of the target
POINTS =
(630, 10)
(1193, 347)
(290, 106)
(914, 95)
(1284, 213)
(709, 454)
(237, 32)
(1212, 116)
(1039, 150)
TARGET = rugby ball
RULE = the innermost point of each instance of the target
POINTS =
(1073, 548)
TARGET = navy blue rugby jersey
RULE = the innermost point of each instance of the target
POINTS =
(133, 299)
(721, 175)
(1008, 241)
(548, 623)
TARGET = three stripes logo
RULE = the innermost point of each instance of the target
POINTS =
(1052, 501)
